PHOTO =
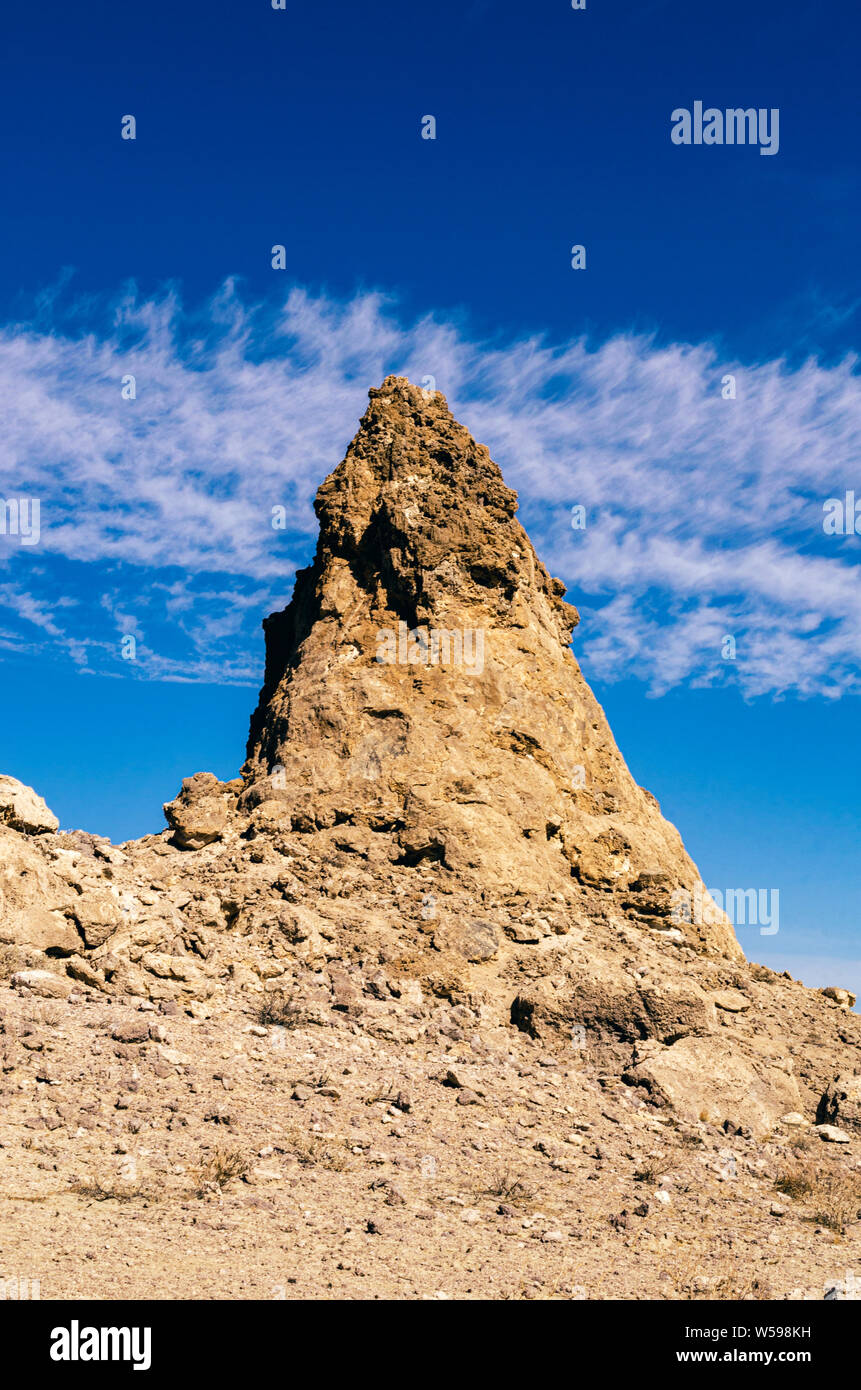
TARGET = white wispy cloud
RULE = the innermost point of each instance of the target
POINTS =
(704, 515)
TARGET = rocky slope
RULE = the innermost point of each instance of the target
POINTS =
(429, 952)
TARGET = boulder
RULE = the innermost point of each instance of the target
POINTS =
(732, 1001)
(475, 941)
(706, 1078)
(602, 1001)
(832, 1135)
(98, 916)
(23, 810)
(44, 983)
(844, 997)
(199, 815)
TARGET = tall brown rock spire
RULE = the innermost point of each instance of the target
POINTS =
(421, 683)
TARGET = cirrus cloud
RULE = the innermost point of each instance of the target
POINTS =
(703, 515)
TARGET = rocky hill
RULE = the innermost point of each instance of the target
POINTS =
(432, 985)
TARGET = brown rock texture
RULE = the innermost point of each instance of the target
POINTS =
(500, 765)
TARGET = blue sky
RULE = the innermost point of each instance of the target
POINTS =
(449, 258)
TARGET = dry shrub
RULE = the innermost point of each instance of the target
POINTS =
(655, 1167)
(836, 1201)
(833, 1195)
(798, 1180)
(313, 1151)
(108, 1189)
(697, 1276)
(279, 1010)
(510, 1189)
(219, 1169)
(14, 958)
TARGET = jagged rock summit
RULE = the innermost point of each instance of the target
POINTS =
(421, 685)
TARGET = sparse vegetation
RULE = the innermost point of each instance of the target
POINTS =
(48, 1014)
(691, 1141)
(219, 1169)
(106, 1189)
(13, 958)
(798, 1181)
(726, 1285)
(655, 1167)
(510, 1189)
(313, 1151)
(387, 1095)
(836, 1201)
(832, 1195)
(277, 1011)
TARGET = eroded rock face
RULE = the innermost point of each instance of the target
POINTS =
(35, 900)
(841, 1103)
(421, 683)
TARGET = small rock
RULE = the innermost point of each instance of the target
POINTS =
(841, 1291)
(261, 1175)
(703, 1283)
(467, 1097)
(832, 1135)
(732, 1001)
